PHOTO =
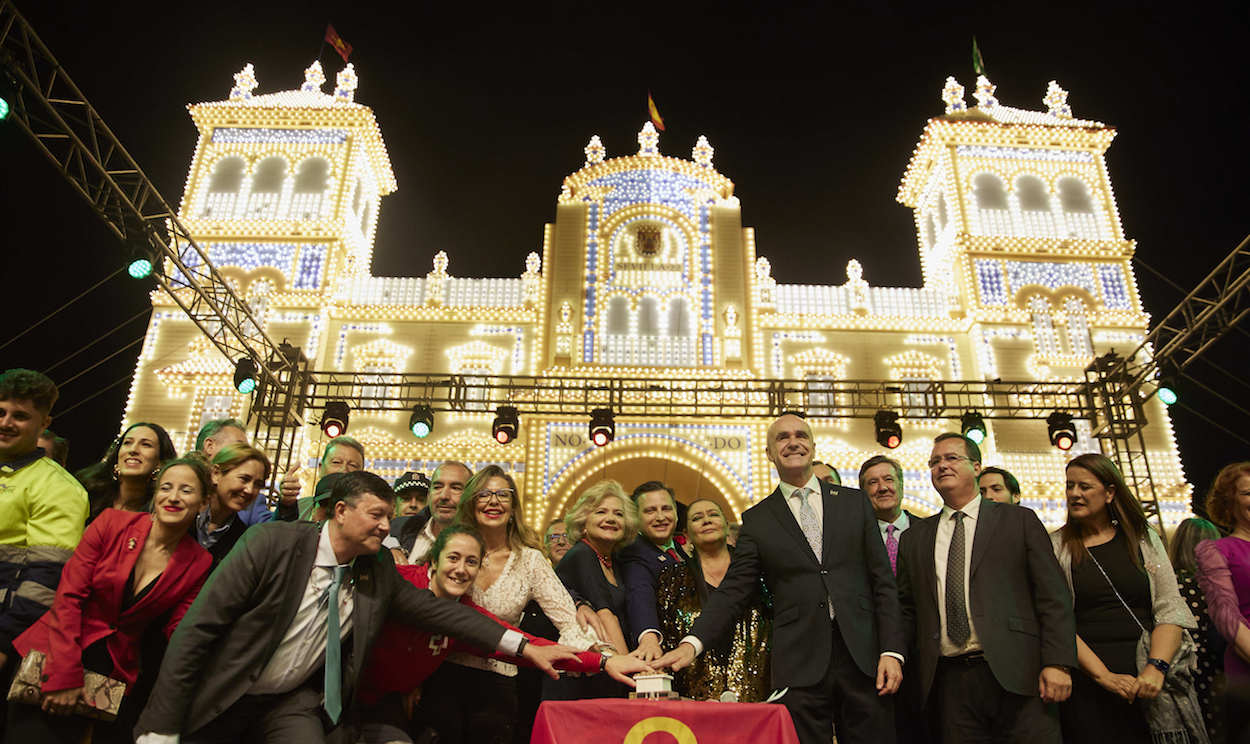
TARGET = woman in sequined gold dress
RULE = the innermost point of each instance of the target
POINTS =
(742, 664)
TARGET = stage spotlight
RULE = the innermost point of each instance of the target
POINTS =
(602, 426)
(139, 262)
(245, 375)
(4, 108)
(506, 424)
(334, 418)
(889, 433)
(1062, 433)
(973, 426)
(421, 422)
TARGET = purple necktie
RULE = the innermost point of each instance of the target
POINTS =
(891, 546)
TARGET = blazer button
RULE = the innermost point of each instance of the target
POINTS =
(824, 572)
(820, 604)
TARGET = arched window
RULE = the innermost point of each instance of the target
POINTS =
(990, 195)
(311, 179)
(678, 317)
(223, 188)
(1044, 340)
(649, 317)
(1078, 209)
(618, 315)
(1036, 219)
(267, 182)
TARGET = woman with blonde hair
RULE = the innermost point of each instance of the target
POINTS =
(601, 522)
(238, 472)
(514, 570)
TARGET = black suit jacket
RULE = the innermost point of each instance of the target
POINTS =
(641, 563)
(854, 572)
(1018, 597)
(245, 608)
(406, 529)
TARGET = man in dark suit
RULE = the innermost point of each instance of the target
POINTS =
(416, 534)
(987, 609)
(641, 563)
(273, 646)
(837, 631)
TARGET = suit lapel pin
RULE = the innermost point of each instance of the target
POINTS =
(130, 544)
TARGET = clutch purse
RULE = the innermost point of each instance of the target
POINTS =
(104, 694)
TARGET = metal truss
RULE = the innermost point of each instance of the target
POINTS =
(53, 112)
(651, 397)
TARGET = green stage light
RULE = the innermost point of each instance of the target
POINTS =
(139, 268)
(4, 109)
(1167, 391)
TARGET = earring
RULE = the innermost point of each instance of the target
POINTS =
(117, 474)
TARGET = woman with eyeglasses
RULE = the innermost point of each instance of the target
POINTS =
(514, 570)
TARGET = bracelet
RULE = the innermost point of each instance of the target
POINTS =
(603, 661)
(521, 646)
(1159, 664)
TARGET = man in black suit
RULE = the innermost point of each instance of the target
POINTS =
(987, 609)
(641, 563)
(837, 631)
(272, 648)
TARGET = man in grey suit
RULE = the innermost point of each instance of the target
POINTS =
(264, 652)
(987, 610)
(837, 635)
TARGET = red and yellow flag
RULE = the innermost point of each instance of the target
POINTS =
(333, 39)
(655, 113)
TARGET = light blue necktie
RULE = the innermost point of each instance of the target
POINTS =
(334, 652)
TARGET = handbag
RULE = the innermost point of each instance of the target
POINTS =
(103, 694)
(1174, 717)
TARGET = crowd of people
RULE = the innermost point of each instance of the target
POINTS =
(159, 598)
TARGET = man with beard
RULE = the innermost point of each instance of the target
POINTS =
(415, 534)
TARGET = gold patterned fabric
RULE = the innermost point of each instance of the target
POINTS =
(742, 666)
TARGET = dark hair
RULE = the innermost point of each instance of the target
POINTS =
(1221, 499)
(876, 460)
(353, 485)
(212, 427)
(970, 447)
(60, 447)
(650, 486)
(695, 563)
(519, 534)
(1188, 534)
(1124, 507)
(1013, 485)
(346, 441)
(197, 465)
(101, 482)
(445, 535)
(27, 384)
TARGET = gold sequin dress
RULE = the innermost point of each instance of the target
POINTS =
(743, 666)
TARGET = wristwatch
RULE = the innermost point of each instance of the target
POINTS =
(521, 646)
(1159, 664)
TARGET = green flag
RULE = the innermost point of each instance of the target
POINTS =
(978, 64)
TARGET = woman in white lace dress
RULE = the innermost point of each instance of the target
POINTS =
(471, 699)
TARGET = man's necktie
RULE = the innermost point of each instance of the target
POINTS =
(673, 554)
(891, 546)
(808, 522)
(957, 628)
(334, 652)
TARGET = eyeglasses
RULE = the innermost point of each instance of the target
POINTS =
(503, 495)
(560, 538)
(949, 459)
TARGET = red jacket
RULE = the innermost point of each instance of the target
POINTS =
(89, 598)
(403, 657)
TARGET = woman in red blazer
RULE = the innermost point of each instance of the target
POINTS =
(130, 570)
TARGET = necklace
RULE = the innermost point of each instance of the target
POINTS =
(606, 560)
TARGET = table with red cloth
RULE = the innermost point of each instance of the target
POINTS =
(619, 721)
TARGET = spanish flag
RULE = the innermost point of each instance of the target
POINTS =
(333, 39)
(655, 113)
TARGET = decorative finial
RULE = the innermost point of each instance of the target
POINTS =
(244, 84)
(648, 140)
(1056, 101)
(985, 93)
(345, 84)
(314, 78)
(533, 263)
(953, 96)
(440, 262)
(857, 286)
(595, 151)
(702, 152)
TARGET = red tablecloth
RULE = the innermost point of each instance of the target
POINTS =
(617, 721)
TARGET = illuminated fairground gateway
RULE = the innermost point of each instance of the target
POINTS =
(649, 273)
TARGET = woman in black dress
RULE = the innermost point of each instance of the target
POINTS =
(1209, 681)
(1121, 582)
(603, 521)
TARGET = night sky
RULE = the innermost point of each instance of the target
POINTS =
(813, 114)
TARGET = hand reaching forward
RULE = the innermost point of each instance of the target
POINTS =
(648, 648)
(620, 666)
(677, 659)
(544, 657)
(588, 619)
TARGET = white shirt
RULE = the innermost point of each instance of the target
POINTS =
(423, 543)
(900, 526)
(303, 646)
(945, 531)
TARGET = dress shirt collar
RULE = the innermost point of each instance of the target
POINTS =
(971, 509)
(900, 524)
(325, 551)
(813, 485)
